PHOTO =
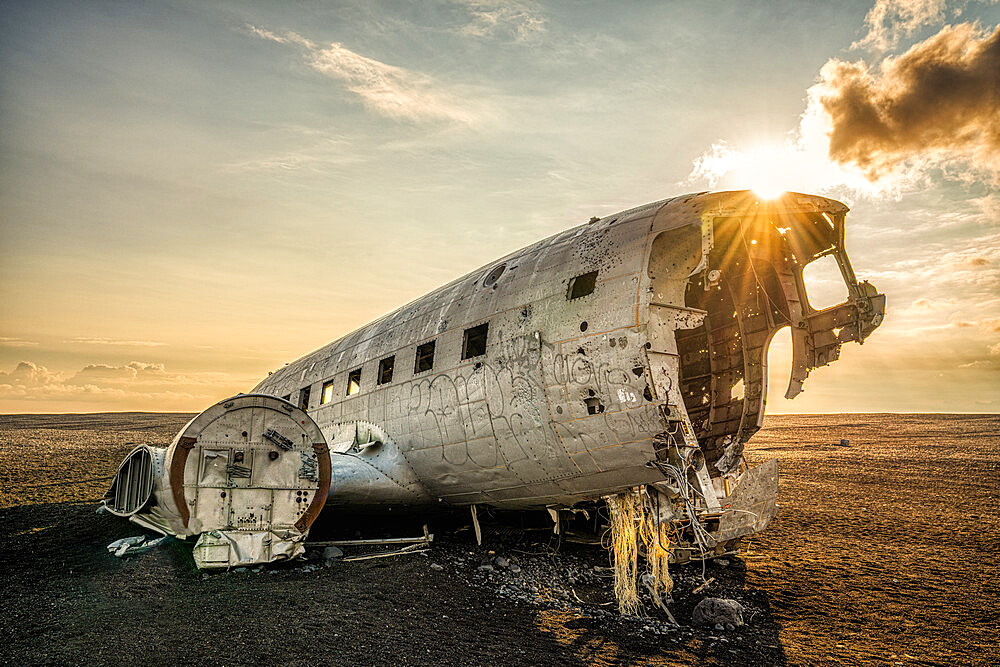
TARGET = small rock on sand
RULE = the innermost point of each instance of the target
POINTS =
(717, 611)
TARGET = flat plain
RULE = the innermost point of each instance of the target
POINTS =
(886, 551)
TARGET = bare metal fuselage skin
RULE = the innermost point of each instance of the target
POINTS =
(629, 351)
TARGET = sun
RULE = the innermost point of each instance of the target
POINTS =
(768, 171)
(768, 190)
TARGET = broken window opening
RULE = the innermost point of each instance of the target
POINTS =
(594, 405)
(354, 382)
(582, 285)
(327, 394)
(385, 369)
(304, 397)
(824, 284)
(425, 357)
(474, 344)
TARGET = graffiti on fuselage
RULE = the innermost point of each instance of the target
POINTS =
(524, 406)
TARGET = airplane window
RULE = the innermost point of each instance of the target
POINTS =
(327, 392)
(354, 382)
(385, 369)
(475, 341)
(425, 357)
(582, 285)
(287, 397)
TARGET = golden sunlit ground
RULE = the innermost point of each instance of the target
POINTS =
(883, 552)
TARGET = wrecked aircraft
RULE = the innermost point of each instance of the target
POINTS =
(627, 353)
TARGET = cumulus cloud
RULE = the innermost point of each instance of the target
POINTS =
(135, 385)
(130, 373)
(937, 104)
(27, 374)
(391, 91)
(880, 129)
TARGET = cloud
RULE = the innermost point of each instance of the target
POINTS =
(880, 130)
(888, 21)
(135, 371)
(995, 350)
(114, 341)
(27, 374)
(390, 91)
(989, 208)
(988, 324)
(519, 21)
(936, 105)
(8, 341)
(135, 385)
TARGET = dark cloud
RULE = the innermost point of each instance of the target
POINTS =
(937, 104)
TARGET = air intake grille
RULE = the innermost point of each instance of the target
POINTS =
(133, 484)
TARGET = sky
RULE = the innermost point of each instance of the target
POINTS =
(194, 193)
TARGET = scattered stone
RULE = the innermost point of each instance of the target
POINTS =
(515, 568)
(331, 553)
(486, 568)
(240, 569)
(718, 612)
(436, 567)
(501, 562)
(722, 561)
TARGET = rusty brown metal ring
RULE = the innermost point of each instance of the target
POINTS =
(177, 463)
(319, 500)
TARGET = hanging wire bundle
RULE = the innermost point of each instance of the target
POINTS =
(632, 520)
(625, 510)
(657, 542)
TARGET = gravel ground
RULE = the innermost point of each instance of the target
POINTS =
(884, 552)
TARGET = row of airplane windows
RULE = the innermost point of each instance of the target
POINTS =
(473, 345)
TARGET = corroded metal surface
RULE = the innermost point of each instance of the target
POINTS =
(567, 400)
(249, 475)
(627, 352)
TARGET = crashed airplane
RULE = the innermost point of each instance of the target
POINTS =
(626, 355)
